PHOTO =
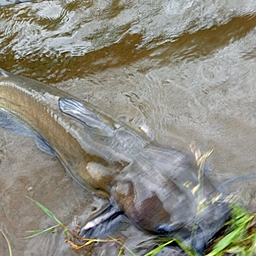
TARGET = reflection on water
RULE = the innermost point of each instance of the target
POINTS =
(183, 70)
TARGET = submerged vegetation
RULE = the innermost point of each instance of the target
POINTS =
(238, 237)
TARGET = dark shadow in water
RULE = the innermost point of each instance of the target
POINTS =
(128, 50)
(204, 42)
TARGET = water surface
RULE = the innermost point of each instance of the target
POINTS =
(183, 70)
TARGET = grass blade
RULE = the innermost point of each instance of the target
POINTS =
(41, 231)
(158, 249)
(123, 245)
(7, 241)
(46, 210)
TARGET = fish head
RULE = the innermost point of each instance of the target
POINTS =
(164, 193)
(147, 214)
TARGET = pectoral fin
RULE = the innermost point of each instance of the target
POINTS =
(91, 120)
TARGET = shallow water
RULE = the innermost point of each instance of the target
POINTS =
(183, 70)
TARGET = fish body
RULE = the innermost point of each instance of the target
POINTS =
(157, 188)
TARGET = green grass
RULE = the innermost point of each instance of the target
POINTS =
(240, 237)
(67, 231)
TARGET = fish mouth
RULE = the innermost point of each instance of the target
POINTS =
(105, 224)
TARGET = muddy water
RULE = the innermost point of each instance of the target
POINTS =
(183, 70)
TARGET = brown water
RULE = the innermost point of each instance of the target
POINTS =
(183, 70)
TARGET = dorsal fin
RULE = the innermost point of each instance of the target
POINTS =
(91, 120)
